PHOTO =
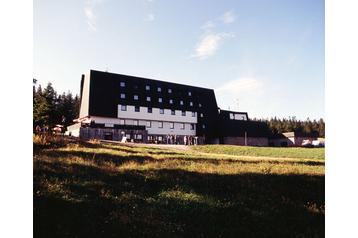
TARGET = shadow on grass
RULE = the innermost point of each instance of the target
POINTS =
(174, 203)
(102, 157)
(99, 157)
(131, 148)
(165, 152)
(247, 161)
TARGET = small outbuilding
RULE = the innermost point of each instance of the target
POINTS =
(292, 139)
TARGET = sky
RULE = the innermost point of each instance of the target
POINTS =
(265, 57)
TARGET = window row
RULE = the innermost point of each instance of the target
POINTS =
(238, 116)
(159, 89)
(161, 111)
(148, 124)
(160, 100)
(140, 137)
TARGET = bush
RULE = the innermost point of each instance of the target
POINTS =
(48, 140)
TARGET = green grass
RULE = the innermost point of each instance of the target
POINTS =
(279, 152)
(104, 190)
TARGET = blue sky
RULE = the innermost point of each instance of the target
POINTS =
(265, 57)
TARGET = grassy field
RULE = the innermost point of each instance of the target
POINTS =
(104, 190)
(282, 152)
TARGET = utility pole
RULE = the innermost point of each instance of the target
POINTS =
(245, 138)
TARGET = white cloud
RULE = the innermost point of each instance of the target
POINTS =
(228, 17)
(91, 17)
(209, 45)
(150, 17)
(208, 25)
(211, 41)
(243, 94)
(241, 86)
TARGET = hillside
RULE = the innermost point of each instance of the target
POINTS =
(106, 190)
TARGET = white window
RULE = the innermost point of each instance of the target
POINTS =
(204, 126)
(148, 99)
(160, 138)
(199, 104)
(121, 121)
(108, 125)
(171, 125)
(123, 107)
(183, 113)
(149, 124)
(138, 136)
(160, 99)
(173, 112)
(181, 102)
(160, 124)
(171, 101)
(192, 126)
(239, 117)
(191, 104)
(201, 115)
(231, 116)
(123, 95)
(182, 126)
(147, 87)
(161, 111)
(128, 122)
(135, 122)
(123, 84)
(193, 114)
(159, 89)
(169, 90)
(135, 97)
(189, 93)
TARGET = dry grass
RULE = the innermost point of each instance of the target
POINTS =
(136, 191)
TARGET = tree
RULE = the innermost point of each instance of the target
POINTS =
(321, 128)
(50, 108)
(277, 126)
(40, 108)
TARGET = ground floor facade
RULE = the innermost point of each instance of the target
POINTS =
(142, 135)
(180, 128)
(132, 135)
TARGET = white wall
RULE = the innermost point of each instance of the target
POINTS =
(166, 129)
(292, 139)
(154, 129)
(74, 132)
(85, 96)
(74, 129)
(155, 115)
(238, 116)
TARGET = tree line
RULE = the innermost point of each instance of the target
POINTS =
(51, 108)
(308, 126)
